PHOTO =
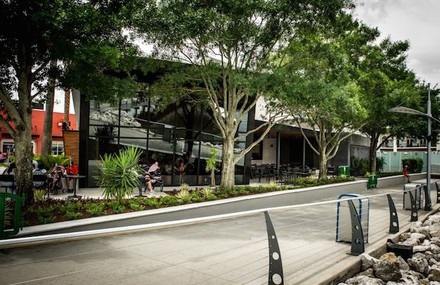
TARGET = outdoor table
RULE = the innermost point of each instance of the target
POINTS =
(75, 177)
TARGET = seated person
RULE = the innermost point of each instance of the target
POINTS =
(3, 157)
(151, 177)
(57, 179)
(11, 168)
(72, 169)
(38, 171)
(10, 183)
(148, 182)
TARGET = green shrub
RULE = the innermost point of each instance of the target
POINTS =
(136, 206)
(49, 161)
(184, 187)
(169, 200)
(94, 209)
(359, 166)
(272, 185)
(195, 197)
(302, 182)
(182, 194)
(39, 195)
(68, 207)
(73, 215)
(154, 203)
(120, 173)
(116, 206)
(208, 193)
(415, 165)
(46, 219)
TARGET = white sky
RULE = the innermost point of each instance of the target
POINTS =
(417, 21)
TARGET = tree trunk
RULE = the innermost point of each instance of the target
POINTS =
(23, 158)
(22, 120)
(67, 106)
(46, 145)
(323, 165)
(373, 144)
(228, 167)
(212, 178)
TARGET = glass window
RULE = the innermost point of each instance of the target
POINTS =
(9, 147)
(57, 148)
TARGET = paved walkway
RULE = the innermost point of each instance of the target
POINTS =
(229, 250)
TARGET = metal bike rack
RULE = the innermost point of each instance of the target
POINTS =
(357, 235)
(394, 220)
(275, 264)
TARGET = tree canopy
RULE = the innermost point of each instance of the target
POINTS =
(386, 82)
(318, 91)
(34, 33)
(229, 45)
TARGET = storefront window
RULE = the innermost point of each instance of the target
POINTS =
(181, 131)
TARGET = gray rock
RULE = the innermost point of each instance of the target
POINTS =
(414, 226)
(424, 231)
(408, 279)
(414, 239)
(387, 268)
(432, 262)
(434, 275)
(367, 261)
(369, 273)
(419, 263)
(403, 264)
(421, 248)
(435, 248)
(364, 280)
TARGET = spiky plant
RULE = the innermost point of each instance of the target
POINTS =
(50, 160)
(184, 187)
(207, 192)
(182, 194)
(120, 173)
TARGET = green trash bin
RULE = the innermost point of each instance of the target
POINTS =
(11, 218)
(344, 170)
(372, 181)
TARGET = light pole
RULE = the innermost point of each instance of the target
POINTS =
(429, 116)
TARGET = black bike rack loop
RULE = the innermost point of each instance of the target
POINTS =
(357, 234)
(276, 276)
(394, 219)
(414, 214)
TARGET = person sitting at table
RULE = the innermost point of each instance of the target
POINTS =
(148, 182)
(57, 180)
(72, 169)
(3, 157)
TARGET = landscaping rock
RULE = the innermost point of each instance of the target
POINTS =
(363, 280)
(422, 268)
(419, 263)
(403, 265)
(387, 268)
(435, 275)
(367, 261)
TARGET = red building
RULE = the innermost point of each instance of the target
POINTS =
(6, 141)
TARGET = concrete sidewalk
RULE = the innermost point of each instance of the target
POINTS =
(230, 250)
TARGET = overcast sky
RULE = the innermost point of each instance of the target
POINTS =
(417, 21)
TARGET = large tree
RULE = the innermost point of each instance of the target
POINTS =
(320, 93)
(34, 33)
(386, 82)
(229, 45)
